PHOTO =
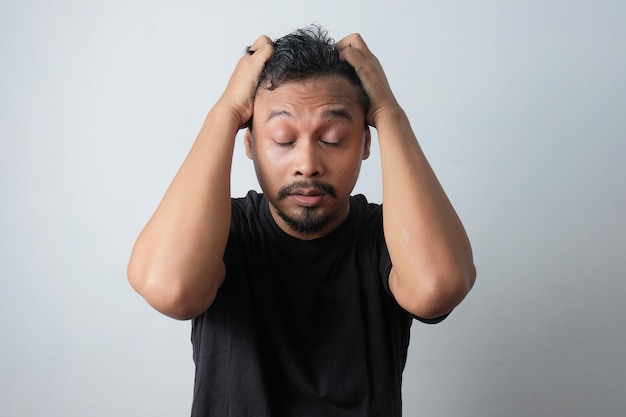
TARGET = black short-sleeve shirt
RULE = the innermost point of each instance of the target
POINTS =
(302, 328)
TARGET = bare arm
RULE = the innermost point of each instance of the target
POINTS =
(177, 261)
(433, 268)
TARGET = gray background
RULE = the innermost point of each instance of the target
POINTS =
(520, 107)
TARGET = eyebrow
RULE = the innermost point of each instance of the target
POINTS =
(331, 113)
(278, 113)
(341, 113)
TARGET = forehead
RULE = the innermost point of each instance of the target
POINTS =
(312, 95)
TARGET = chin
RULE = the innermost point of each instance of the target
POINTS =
(307, 221)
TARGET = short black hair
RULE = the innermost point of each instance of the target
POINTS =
(306, 53)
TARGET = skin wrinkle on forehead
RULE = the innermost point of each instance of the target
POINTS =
(326, 114)
(339, 101)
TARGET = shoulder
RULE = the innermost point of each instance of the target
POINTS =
(248, 209)
(360, 204)
(246, 214)
(365, 212)
(252, 200)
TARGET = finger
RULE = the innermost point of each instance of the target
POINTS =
(354, 57)
(261, 42)
(353, 40)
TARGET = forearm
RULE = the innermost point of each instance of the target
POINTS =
(177, 261)
(432, 260)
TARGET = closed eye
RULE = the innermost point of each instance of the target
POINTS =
(284, 144)
(333, 143)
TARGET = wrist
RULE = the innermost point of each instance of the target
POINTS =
(392, 116)
(225, 116)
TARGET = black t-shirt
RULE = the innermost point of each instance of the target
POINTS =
(302, 328)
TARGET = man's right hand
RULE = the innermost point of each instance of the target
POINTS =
(241, 89)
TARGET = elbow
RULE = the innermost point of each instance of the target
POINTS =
(166, 293)
(437, 295)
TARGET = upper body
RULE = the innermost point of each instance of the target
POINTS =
(302, 327)
(307, 132)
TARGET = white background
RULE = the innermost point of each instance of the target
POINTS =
(520, 107)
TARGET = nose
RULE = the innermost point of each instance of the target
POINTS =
(307, 159)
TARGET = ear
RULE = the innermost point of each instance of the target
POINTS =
(367, 143)
(247, 140)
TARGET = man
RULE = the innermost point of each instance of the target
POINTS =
(302, 297)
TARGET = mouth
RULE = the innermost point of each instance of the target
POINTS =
(307, 198)
(307, 193)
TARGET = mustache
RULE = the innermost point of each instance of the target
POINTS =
(322, 187)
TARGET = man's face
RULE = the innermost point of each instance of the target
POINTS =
(307, 142)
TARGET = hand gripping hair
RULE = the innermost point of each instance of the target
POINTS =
(306, 53)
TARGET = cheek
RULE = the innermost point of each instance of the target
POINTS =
(269, 167)
(271, 163)
(348, 172)
(273, 157)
